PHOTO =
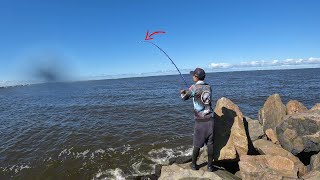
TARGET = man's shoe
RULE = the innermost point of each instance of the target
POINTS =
(194, 167)
(210, 168)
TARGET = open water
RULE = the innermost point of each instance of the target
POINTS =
(110, 129)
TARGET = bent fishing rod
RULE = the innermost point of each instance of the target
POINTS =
(184, 80)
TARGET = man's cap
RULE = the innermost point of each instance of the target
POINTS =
(199, 72)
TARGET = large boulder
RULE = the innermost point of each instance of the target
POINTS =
(272, 112)
(255, 129)
(183, 172)
(300, 132)
(267, 167)
(294, 106)
(312, 175)
(265, 147)
(316, 107)
(315, 161)
(230, 140)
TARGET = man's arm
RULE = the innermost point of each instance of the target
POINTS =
(187, 94)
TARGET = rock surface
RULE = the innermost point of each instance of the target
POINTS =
(230, 136)
(294, 106)
(272, 112)
(316, 107)
(183, 171)
(268, 148)
(312, 175)
(300, 132)
(266, 167)
(315, 161)
(255, 129)
(272, 136)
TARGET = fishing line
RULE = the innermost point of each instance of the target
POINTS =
(184, 80)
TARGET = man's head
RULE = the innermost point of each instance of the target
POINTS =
(198, 74)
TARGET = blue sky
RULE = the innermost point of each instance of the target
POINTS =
(95, 38)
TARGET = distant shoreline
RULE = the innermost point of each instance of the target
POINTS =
(12, 84)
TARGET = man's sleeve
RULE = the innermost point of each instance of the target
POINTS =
(189, 94)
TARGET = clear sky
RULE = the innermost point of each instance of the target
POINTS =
(89, 38)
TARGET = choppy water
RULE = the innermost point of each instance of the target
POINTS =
(117, 128)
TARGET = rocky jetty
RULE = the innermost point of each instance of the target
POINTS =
(284, 143)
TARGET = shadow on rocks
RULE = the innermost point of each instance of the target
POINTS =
(251, 149)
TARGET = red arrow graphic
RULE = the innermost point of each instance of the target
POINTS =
(148, 37)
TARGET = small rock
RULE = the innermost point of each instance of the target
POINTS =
(272, 136)
(294, 106)
(315, 161)
(272, 112)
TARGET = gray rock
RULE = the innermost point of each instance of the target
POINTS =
(272, 112)
(255, 129)
(300, 132)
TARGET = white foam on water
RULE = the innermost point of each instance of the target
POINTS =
(100, 151)
(66, 152)
(136, 168)
(16, 168)
(110, 174)
(111, 149)
(97, 152)
(126, 148)
(82, 154)
(162, 155)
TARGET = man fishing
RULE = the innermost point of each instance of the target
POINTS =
(203, 115)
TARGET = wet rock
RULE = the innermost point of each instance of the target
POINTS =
(315, 161)
(255, 129)
(230, 136)
(157, 170)
(272, 136)
(268, 148)
(300, 132)
(272, 112)
(267, 167)
(312, 175)
(294, 106)
(316, 107)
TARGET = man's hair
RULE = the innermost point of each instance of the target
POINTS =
(202, 78)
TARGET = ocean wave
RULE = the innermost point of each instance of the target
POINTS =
(71, 153)
(112, 174)
(162, 155)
